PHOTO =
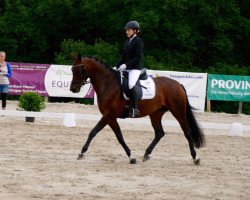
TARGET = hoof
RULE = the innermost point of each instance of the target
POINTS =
(197, 161)
(80, 156)
(145, 158)
(133, 161)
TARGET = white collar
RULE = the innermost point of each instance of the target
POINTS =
(130, 39)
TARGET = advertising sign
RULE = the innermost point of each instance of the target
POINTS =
(228, 87)
(57, 83)
(194, 83)
(27, 77)
(46, 80)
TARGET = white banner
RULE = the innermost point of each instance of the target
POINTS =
(194, 83)
(57, 82)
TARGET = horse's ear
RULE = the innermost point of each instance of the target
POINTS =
(79, 56)
(73, 56)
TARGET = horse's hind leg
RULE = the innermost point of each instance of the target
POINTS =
(159, 133)
(187, 133)
(181, 110)
(181, 118)
(116, 128)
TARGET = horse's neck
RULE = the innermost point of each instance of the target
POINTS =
(101, 78)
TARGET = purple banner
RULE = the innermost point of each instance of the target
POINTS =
(45, 79)
(27, 77)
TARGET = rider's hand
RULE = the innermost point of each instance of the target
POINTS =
(115, 68)
(122, 67)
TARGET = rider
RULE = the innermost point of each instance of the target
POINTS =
(131, 61)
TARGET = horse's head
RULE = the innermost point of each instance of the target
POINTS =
(80, 75)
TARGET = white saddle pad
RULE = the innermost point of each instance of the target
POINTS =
(149, 91)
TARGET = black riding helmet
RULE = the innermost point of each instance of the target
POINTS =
(132, 25)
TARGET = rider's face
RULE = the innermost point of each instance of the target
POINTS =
(130, 32)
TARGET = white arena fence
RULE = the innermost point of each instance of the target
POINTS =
(68, 120)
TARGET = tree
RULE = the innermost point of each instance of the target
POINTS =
(106, 52)
(193, 35)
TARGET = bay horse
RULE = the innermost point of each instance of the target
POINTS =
(170, 96)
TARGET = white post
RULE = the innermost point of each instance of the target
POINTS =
(236, 129)
(95, 99)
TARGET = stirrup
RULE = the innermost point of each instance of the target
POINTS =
(134, 112)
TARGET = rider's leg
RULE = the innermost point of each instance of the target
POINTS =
(133, 77)
(134, 112)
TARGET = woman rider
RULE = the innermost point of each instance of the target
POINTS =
(131, 62)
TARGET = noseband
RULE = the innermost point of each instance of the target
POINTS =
(83, 82)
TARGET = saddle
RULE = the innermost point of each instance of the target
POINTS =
(145, 86)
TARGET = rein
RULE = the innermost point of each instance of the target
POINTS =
(87, 82)
(82, 82)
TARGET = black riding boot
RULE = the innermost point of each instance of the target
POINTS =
(134, 112)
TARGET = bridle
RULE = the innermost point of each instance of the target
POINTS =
(83, 82)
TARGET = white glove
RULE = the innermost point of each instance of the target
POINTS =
(122, 67)
(115, 68)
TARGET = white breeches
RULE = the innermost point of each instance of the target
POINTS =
(133, 76)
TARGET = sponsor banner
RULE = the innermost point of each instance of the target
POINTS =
(228, 87)
(57, 83)
(27, 77)
(194, 83)
(46, 80)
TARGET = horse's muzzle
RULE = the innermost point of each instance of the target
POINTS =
(75, 88)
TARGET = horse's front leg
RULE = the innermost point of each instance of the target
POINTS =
(116, 128)
(99, 126)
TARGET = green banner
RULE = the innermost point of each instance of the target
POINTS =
(228, 87)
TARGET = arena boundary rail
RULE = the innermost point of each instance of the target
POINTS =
(234, 128)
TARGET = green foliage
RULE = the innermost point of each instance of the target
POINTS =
(222, 68)
(86, 101)
(76, 100)
(106, 52)
(230, 107)
(13, 97)
(178, 34)
(246, 108)
(31, 101)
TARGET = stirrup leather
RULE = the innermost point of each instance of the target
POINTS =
(134, 112)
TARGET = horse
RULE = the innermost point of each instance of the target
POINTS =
(170, 96)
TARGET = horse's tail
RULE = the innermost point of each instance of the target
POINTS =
(195, 131)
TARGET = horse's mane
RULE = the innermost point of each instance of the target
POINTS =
(99, 61)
